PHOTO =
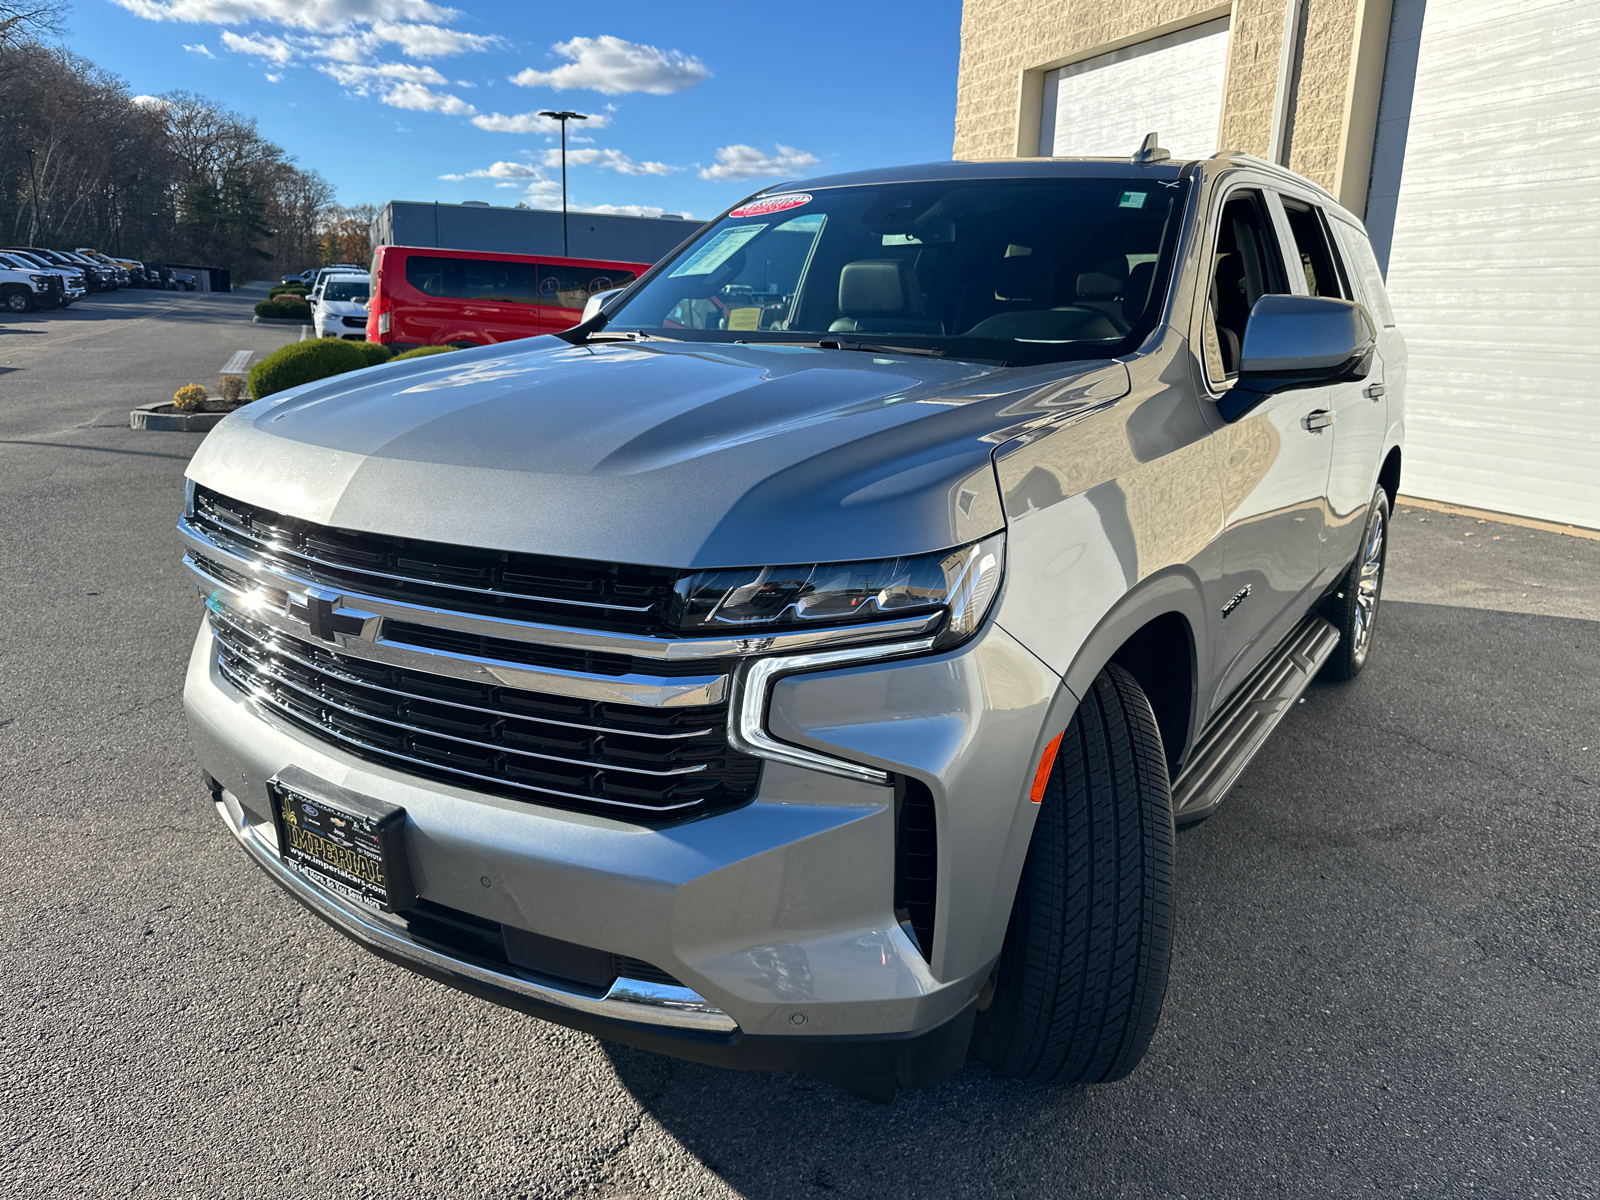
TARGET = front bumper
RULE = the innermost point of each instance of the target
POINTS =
(777, 917)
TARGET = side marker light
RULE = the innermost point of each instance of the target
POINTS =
(1042, 775)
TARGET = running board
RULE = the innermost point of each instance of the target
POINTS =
(1231, 738)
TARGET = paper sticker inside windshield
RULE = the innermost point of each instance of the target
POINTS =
(1133, 199)
(768, 205)
(722, 246)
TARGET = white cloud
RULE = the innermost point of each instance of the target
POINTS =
(419, 99)
(323, 16)
(530, 122)
(352, 48)
(430, 41)
(271, 78)
(151, 103)
(613, 66)
(201, 48)
(630, 210)
(615, 160)
(361, 79)
(275, 48)
(746, 162)
(502, 170)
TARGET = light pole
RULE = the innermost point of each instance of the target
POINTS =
(564, 117)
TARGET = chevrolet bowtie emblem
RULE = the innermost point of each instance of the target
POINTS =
(316, 609)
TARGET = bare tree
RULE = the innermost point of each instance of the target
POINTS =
(29, 20)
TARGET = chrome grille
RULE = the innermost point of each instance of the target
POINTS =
(464, 579)
(640, 763)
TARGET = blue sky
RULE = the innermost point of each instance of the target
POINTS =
(697, 105)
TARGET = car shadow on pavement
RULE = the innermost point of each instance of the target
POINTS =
(1382, 967)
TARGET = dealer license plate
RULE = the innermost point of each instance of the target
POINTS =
(352, 845)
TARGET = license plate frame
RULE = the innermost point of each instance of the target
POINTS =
(345, 843)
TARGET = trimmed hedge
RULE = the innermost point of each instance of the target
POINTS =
(376, 352)
(305, 362)
(293, 289)
(289, 307)
(423, 352)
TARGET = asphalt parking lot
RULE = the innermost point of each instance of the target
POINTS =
(1387, 942)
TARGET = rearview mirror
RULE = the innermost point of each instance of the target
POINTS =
(1299, 342)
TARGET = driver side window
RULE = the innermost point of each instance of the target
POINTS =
(1246, 264)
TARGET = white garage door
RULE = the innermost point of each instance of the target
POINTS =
(1171, 85)
(1495, 270)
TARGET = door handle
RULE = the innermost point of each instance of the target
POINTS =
(1320, 419)
(1374, 391)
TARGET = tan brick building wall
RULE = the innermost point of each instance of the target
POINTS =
(1008, 45)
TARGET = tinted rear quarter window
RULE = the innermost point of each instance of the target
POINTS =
(1364, 267)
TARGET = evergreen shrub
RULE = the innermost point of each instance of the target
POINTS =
(423, 352)
(304, 362)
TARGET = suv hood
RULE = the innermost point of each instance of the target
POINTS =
(666, 453)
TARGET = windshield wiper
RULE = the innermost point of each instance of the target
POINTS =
(874, 348)
(878, 348)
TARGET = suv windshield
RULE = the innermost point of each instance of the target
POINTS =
(1023, 271)
(354, 291)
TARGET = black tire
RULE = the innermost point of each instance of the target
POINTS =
(1352, 607)
(17, 300)
(1078, 990)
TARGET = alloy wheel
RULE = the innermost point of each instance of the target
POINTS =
(1370, 584)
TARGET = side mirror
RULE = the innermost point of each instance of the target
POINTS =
(1299, 342)
(596, 302)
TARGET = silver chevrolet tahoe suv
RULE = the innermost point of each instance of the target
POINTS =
(803, 663)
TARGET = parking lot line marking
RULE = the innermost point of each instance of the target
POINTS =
(237, 364)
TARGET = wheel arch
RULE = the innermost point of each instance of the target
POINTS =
(1389, 475)
(1156, 633)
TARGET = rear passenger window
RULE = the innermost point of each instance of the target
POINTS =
(1363, 264)
(1245, 266)
(1316, 255)
(562, 285)
(472, 279)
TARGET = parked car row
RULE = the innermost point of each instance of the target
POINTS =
(34, 277)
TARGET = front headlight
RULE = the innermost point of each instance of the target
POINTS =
(759, 600)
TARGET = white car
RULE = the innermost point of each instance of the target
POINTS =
(339, 306)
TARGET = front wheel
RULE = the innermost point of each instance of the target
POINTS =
(1079, 987)
(19, 300)
(1353, 606)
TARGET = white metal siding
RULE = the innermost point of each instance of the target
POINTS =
(1171, 85)
(1495, 268)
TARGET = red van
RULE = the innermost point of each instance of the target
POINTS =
(427, 297)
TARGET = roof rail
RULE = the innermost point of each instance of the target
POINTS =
(1255, 160)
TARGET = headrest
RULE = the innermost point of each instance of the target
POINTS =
(1022, 277)
(1093, 285)
(875, 285)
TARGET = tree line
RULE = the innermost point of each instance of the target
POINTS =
(172, 178)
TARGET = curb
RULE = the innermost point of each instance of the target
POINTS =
(279, 321)
(1483, 514)
(146, 417)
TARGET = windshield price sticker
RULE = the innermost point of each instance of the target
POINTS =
(1133, 199)
(768, 205)
(723, 245)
